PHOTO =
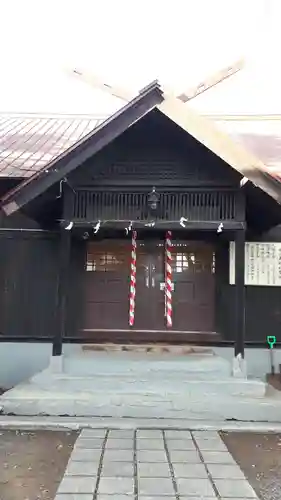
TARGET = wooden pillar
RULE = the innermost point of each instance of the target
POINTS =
(64, 259)
(239, 309)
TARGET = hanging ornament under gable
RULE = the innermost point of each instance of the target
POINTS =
(153, 199)
(69, 226)
(182, 221)
(129, 228)
(97, 227)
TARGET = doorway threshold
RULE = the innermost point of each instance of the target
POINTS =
(135, 336)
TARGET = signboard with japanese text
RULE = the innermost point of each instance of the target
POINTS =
(262, 263)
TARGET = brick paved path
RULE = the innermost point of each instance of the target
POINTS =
(152, 465)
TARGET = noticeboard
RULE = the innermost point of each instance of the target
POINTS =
(262, 264)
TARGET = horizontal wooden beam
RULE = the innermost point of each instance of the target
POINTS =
(217, 225)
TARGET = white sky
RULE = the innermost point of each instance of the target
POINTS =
(130, 42)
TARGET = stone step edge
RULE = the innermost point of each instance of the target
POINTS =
(150, 348)
(69, 378)
(149, 395)
(135, 401)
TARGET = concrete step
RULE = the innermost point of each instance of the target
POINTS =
(141, 366)
(149, 385)
(142, 386)
(214, 408)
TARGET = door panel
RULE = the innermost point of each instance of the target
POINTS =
(107, 278)
(149, 314)
(193, 297)
(107, 285)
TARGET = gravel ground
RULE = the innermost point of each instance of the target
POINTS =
(32, 463)
(259, 456)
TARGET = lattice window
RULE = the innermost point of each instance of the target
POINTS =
(104, 260)
(195, 260)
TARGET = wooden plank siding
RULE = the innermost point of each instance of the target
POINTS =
(28, 284)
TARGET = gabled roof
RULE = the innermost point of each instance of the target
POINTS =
(29, 142)
(201, 128)
(85, 148)
(260, 134)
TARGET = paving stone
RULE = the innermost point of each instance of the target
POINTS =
(121, 434)
(217, 457)
(188, 487)
(118, 455)
(183, 456)
(151, 456)
(234, 488)
(114, 469)
(180, 444)
(81, 455)
(71, 484)
(190, 471)
(201, 498)
(119, 444)
(149, 434)
(93, 433)
(153, 469)
(74, 496)
(205, 434)
(222, 471)
(116, 497)
(89, 443)
(211, 445)
(174, 434)
(152, 486)
(115, 485)
(82, 468)
(150, 444)
(211, 439)
(159, 498)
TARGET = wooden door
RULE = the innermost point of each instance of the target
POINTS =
(107, 279)
(149, 314)
(194, 286)
(106, 285)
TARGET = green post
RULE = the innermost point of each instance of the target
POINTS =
(271, 340)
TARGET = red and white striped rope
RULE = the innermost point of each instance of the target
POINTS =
(133, 279)
(168, 287)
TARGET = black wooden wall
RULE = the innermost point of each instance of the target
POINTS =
(263, 304)
(28, 284)
(28, 290)
(155, 151)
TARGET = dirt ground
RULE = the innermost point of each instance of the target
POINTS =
(259, 456)
(274, 380)
(32, 463)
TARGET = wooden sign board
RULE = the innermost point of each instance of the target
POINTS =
(262, 264)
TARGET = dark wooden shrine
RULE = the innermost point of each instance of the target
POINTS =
(62, 280)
